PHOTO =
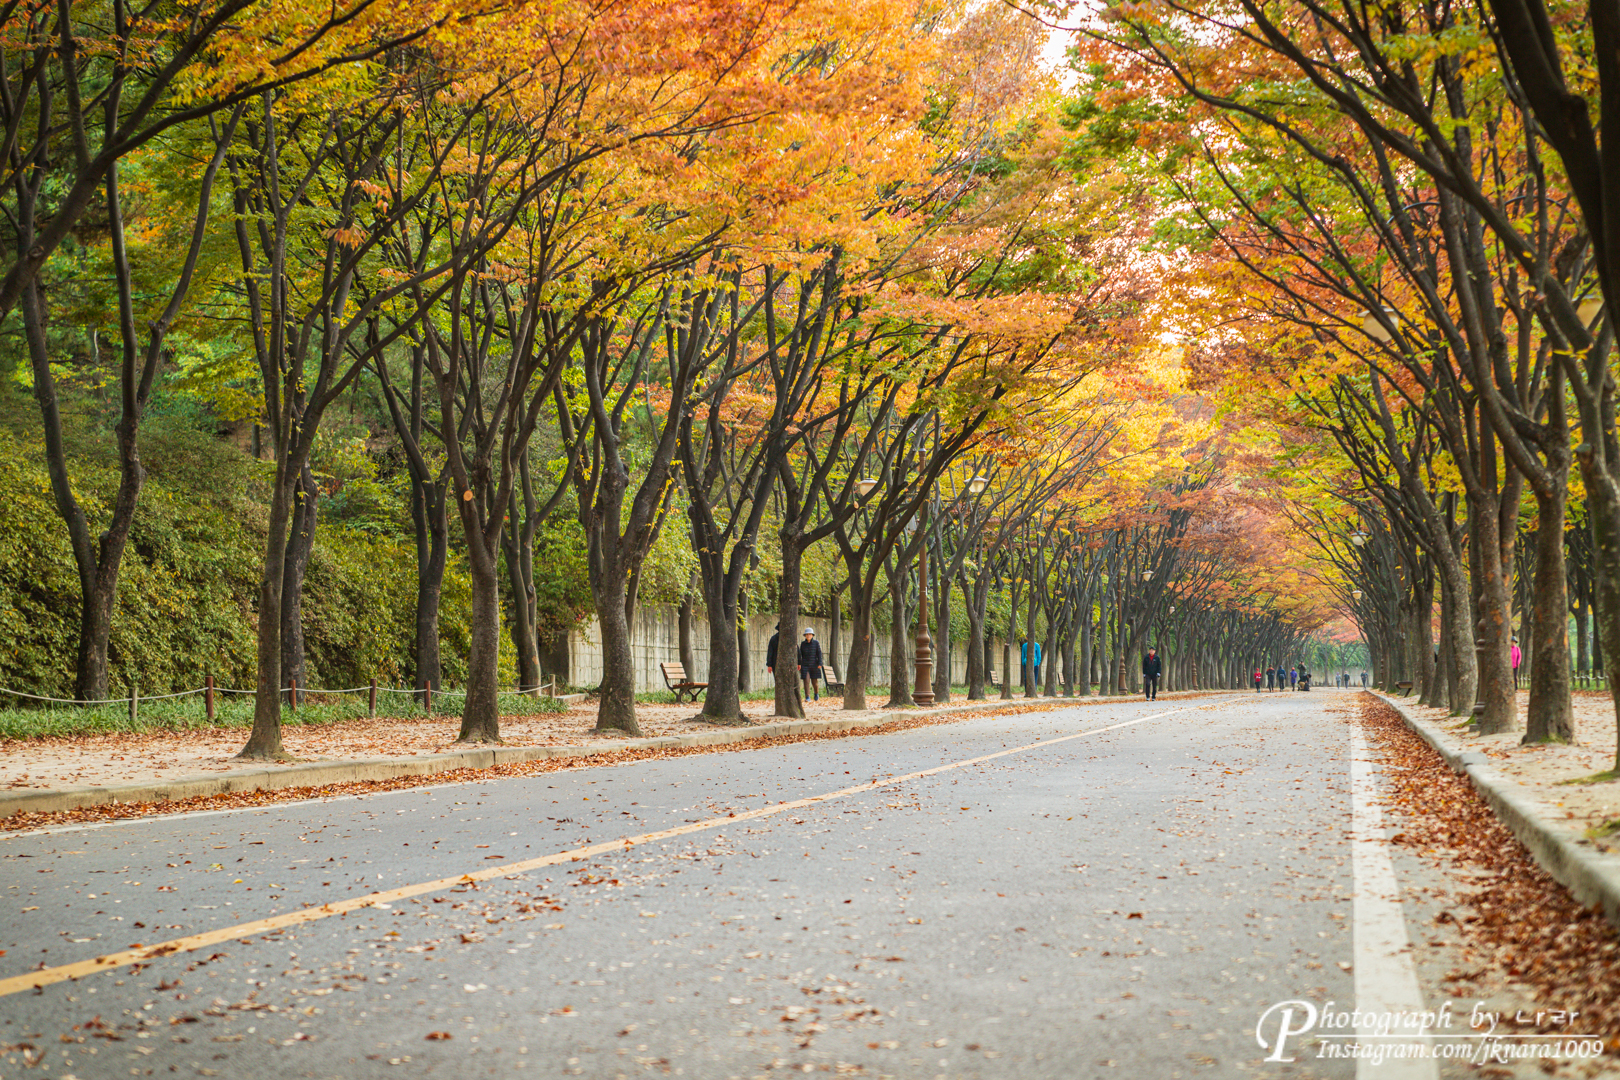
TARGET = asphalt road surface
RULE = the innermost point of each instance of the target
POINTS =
(1122, 892)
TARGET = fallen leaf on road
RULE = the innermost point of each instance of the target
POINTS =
(432, 1035)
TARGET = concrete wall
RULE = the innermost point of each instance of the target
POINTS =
(655, 639)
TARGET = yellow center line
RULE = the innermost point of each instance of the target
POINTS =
(35, 980)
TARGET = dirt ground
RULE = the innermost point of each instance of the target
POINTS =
(1544, 767)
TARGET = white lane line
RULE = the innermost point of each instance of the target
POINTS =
(1386, 981)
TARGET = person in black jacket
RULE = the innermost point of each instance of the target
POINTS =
(770, 650)
(1152, 667)
(810, 664)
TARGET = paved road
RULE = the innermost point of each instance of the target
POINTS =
(1125, 902)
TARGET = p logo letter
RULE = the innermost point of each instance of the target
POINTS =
(1285, 1012)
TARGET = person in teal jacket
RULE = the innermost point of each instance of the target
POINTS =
(1023, 659)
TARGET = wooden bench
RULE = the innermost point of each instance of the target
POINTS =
(675, 678)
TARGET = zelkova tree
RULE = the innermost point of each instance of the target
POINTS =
(314, 195)
(142, 334)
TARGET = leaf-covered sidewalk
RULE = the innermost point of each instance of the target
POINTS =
(1545, 768)
(156, 755)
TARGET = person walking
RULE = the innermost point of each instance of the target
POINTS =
(810, 664)
(1152, 668)
(770, 650)
(1271, 679)
(1516, 656)
(1257, 680)
(1293, 678)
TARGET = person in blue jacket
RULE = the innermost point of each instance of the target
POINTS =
(1023, 659)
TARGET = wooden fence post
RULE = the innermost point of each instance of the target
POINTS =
(372, 706)
(427, 698)
(208, 698)
(294, 684)
(134, 699)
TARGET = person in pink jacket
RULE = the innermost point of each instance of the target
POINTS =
(1515, 655)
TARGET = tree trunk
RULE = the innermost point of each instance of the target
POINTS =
(1086, 659)
(860, 648)
(1492, 622)
(835, 632)
(617, 711)
(745, 650)
(899, 655)
(520, 578)
(264, 741)
(481, 715)
(300, 546)
(683, 621)
(432, 527)
(1006, 669)
(976, 653)
(1551, 714)
(1049, 659)
(721, 701)
(788, 702)
(942, 636)
(1604, 511)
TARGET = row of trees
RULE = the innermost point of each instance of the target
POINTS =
(833, 270)
(1400, 218)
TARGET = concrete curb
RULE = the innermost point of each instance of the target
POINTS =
(322, 773)
(1591, 875)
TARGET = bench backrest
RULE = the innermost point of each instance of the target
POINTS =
(674, 673)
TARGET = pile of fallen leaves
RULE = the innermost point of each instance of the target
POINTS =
(248, 799)
(1525, 925)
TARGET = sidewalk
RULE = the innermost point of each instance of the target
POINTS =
(1528, 788)
(47, 775)
(1543, 769)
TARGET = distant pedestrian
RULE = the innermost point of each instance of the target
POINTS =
(1516, 656)
(1257, 678)
(770, 650)
(1293, 678)
(1271, 679)
(1030, 668)
(1364, 680)
(1152, 668)
(810, 665)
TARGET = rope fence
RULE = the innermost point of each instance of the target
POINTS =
(293, 691)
